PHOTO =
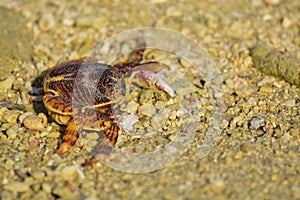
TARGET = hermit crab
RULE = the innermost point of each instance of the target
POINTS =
(82, 107)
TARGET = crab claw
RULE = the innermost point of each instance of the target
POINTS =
(147, 79)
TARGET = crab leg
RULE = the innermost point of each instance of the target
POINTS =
(144, 76)
(70, 137)
(149, 79)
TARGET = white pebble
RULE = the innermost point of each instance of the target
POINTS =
(129, 121)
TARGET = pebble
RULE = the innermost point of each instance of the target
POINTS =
(46, 187)
(266, 89)
(266, 81)
(289, 103)
(159, 105)
(92, 136)
(272, 2)
(17, 187)
(129, 121)
(256, 123)
(7, 83)
(38, 174)
(185, 91)
(132, 107)
(23, 116)
(173, 12)
(68, 22)
(147, 109)
(286, 22)
(53, 135)
(44, 133)
(46, 22)
(156, 122)
(40, 195)
(44, 119)
(2, 136)
(33, 122)
(158, 1)
(12, 132)
(218, 170)
(240, 84)
(71, 172)
(90, 21)
(11, 116)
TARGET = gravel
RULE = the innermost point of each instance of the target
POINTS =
(257, 155)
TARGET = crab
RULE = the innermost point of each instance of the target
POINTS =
(73, 105)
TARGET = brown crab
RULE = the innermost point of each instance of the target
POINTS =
(83, 107)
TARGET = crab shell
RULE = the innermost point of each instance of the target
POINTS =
(62, 93)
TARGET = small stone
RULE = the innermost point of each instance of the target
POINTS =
(90, 21)
(44, 133)
(47, 22)
(256, 123)
(156, 122)
(46, 187)
(131, 107)
(53, 135)
(266, 90)
(12, 132)
(16, 186)
(33, 122)
(129, 121)
(272, 2)
(7, 83)
(236, 121)
(2, 136)
(159, 105)
(40, 195)
(267, 17)
(266, 80)
(289, 103)
(183, 91)
(44, 119)
(68, 22)
(147, 109)
(173, 12)
(24, 115)
(71, 172)
(12, 116)
(286, 22)
(238, 155)
(158, 1)
(173, 115)
(229, 83)
(92, 136)
(240, 84)
(218, 95)
(9, 164)
(5, 126)
(173, 138)
(38, 174)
